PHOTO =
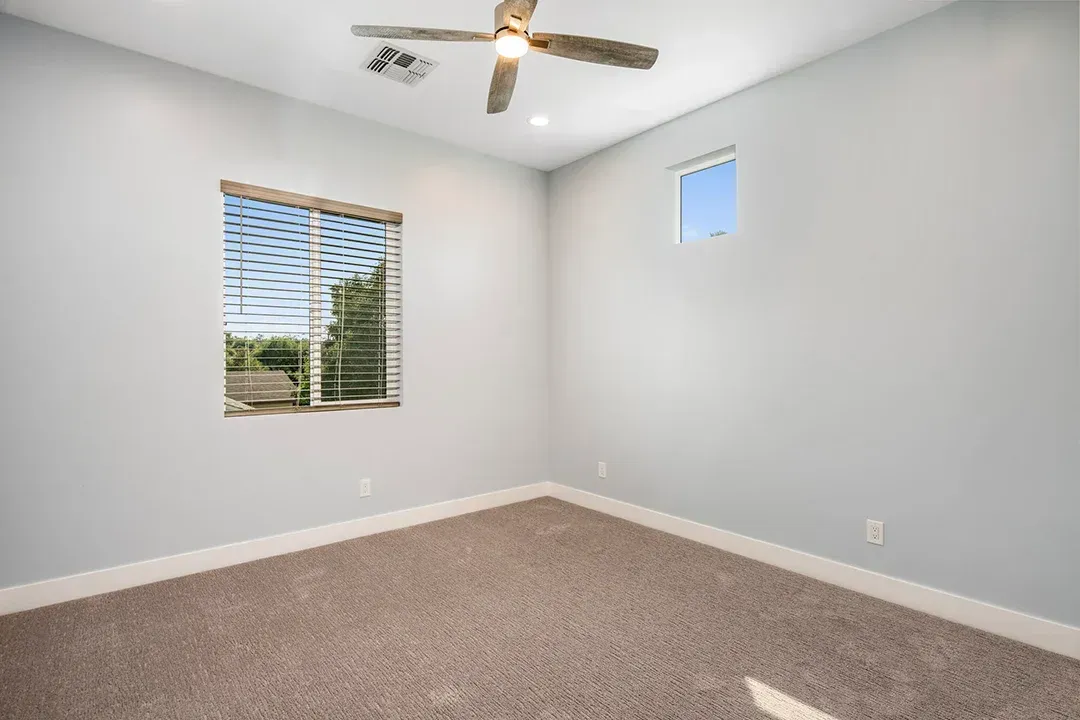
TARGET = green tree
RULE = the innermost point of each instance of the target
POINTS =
(354, 353)
(241, 353)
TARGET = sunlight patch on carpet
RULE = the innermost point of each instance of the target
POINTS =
(781, 706)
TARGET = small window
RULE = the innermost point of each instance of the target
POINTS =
(707, 196)
(312, 303)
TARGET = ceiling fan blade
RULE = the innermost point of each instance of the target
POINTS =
(595, 50)
(516, 8)
(410, 33)
(502, 84)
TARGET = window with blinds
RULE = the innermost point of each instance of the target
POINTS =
(312, 303)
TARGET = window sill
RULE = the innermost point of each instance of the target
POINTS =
(315, 409)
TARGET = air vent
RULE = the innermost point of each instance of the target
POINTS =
(399, 65)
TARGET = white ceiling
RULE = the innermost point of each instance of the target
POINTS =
(708, 49)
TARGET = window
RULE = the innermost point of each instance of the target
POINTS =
(312, 303)
(707, 196)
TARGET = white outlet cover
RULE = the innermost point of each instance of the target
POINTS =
(601, 470)
(875, 532)
(365, 487)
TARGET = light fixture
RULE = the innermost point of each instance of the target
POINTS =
(538, 120)
(511, 45)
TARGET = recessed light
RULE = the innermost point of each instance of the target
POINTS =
(538, 120)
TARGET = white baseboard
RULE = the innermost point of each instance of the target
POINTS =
(1045, 634)
(1041, 633)
(49, 592)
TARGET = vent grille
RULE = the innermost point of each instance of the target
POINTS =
(399, 65)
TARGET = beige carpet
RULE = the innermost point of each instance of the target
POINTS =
(535, 610)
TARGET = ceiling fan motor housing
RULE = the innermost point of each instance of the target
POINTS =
(503, 32)
(505, 20)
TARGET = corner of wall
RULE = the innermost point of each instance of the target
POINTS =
(548, 332)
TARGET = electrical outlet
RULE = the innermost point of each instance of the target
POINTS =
(601, 470)
(365, 487)
(875, 532)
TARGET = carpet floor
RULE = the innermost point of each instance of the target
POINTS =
(535, 610)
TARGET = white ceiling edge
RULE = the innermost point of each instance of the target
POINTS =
(592, 107)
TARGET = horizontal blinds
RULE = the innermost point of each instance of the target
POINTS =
(312, 306)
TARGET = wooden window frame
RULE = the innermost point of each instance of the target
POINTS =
(309, 201)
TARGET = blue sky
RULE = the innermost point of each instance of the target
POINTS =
(708, 202)
(259, 300)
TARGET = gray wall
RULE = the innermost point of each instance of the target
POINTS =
(894, 332)
(114, 448)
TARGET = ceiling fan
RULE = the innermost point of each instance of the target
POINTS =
(512, 40)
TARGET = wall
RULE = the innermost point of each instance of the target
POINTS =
(893, 333)
(114, 445)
